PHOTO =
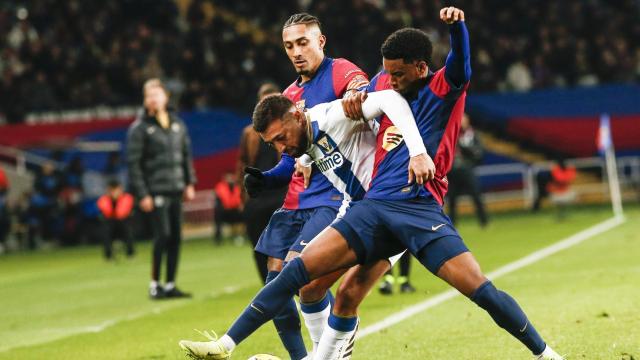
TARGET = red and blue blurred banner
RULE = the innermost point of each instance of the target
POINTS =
(564, 120)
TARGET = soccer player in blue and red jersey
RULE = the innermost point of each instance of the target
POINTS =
(395, 214)
(306, 210)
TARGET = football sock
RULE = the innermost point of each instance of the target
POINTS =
(270, 300)
(169, 286)
(153, 284)
(315, 317)
(287, 324)
(508, 315)
(337, 334)
(227, 342)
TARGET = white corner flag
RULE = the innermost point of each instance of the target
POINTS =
(605, 147)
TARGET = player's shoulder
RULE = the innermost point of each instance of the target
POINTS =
(441, 86)
(345, 68)
(380, 82)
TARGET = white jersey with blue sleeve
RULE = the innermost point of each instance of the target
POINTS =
(344, 149)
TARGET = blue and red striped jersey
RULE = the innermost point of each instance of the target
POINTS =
(438, 110)
(333, 78)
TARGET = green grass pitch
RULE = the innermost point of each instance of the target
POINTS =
(585, 301)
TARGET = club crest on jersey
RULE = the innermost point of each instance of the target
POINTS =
(392, 138)
(300, 105)
(326, 146)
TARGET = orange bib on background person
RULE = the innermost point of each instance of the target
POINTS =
(229, 198)
(121, 210)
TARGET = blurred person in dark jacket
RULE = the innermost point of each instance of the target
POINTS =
(257, 211)
(462, 179)
(116, 207)
(161, 175)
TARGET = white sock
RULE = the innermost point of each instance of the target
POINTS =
(227, 342)
(548, 353)
(332, 342)
(153, 284)
(169, 286)
(315, 323)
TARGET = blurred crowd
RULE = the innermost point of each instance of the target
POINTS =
(76, 54)
(61, 207)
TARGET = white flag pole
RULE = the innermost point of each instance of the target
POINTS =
(612, 175)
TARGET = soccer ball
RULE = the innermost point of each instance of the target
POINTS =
(264, 357)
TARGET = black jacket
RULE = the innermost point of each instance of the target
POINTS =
(159, 159)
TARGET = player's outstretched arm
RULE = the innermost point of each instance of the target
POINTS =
(391, 103)
(280, 174)
(458, 63)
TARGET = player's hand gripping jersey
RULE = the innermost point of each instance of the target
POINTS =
(438, 109)
(331, 81)
(343, 149)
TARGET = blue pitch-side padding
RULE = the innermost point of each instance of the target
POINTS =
(589, 101)
(211, 132)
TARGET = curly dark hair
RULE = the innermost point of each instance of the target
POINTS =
(302, 18)
(270, 108)
(408, 44)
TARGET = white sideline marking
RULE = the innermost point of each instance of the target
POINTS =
(504, 270)
(61, 333)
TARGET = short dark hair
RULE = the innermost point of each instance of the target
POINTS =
(113, 183)
(270, 108)
(302, 18)
(267, 88)
(408, 44)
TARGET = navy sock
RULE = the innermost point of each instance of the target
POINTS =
(508, 315)
(270, 300)
(287, 323)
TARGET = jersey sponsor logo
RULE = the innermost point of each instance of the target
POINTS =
(175, 127)
(304, 243)
(300, 105)
(435, 228)
(392, 138)
(330, 162)
(151, 130)
(324, 143)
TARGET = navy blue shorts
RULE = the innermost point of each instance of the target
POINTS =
(291, 230)
(378, 229)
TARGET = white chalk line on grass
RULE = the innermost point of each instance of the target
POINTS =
(504, 270)
(160, 307)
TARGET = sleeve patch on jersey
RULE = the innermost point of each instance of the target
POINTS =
(343, 73)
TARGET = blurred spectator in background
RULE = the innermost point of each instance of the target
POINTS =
(562, 176)
(5, 220)
(161, 174)
(228, 208)
(116, 207)
(462, 179)
(44, 208)
(114, 169)
(71, 196)
(257, 212)
(60, 55)
(386, 286)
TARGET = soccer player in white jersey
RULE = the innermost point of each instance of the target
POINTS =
(343, 150)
